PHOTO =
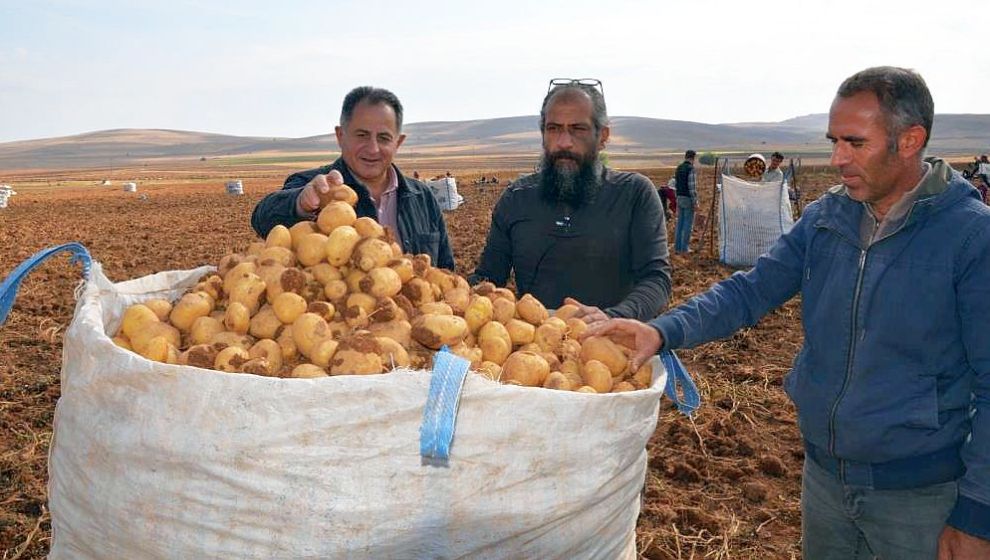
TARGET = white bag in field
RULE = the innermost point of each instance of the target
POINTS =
(753, 217)
(153, 461)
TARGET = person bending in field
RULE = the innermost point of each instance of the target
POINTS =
(576, 229)
(369, 134)
(892, 384)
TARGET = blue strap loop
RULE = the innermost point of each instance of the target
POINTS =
(10, 284)
(436, 433)
(677, 375)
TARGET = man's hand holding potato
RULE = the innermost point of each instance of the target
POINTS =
(641, 337)
(309, 199)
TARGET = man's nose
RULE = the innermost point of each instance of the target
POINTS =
(565, 140)
(840, 154)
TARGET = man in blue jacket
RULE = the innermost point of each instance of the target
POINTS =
(369, 134)
(892, 385)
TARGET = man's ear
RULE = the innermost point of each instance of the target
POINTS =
(603, 137)
(398, 143)
(911, 141)
(339, 132)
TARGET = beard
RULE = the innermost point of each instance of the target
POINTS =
(575, 185)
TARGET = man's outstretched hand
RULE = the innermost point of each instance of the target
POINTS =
(309, 199)
(641, 337)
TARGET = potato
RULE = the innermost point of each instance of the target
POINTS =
(308, 330)
(520, 331)
(226, 339)
(338, 192)
(248, 290)
(403, 267)
(531, 310)
(597, 376)
(605, 351)
(136, 318)
(334, 215)
(270, 351)
(324, 309)
(371, 253)
(502, 293)
(286, 280)
(392, 353)
(443, 278)
(288, 307)
(280, 255)
(398, 330)
(312, 249)
(255, 249)
(418, 291)
(478, 313)
(566, 311)
(237, 273)
(559, 323)
(339, 329)
(421, 264)
(586, 389)
(471, 354)
(386, 310)
(353, 279)
(527, 368)
(484, 288)
(287, 345)
(357, 355)
(491, 370)
(300, 230)
(434, 331)
(264, 323)
(212, 285)
(335, 290)
(123, 342)
(200, 355)
(161, 307)
(574, 378)
(569, 349)
(340, 245)
(575, 327)
(495, 342)
(259, 366)
(324, 272)
(503, 310)
(236, 318)
(323, 352)
(381, 282)
(406, 306)
(549, 337)
(229, 261)
(458, 298)
(368, 227)
(558, 381)
(231, 359)
(623, 387)
(308, 371)
(436, 308)
(190, 307)
(279, 236)
(644, 375)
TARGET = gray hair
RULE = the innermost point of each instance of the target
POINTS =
(599, 115)
(903, 96)
(373, 96)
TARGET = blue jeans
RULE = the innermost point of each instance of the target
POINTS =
(841, 522)
(685, 222)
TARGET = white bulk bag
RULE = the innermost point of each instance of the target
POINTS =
(152, 461)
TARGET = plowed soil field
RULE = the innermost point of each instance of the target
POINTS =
(725, 484)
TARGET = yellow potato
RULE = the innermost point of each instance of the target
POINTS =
(605, 351)
(495, 342)
(248, 291)
(340, 245)
(371, 253)
(434, 331)
(324, 272)
(335, 290)
(287, 345)
(226, 339)
(458, 298)
(334, 215)
(259, 366)
(403, 267)
(212, 285)
(520, 331)
(549, 337)
(586, 389)
(324, 309)
(644, 375)
(280, 255)
(161, 307)
(471, 354)
(123, 342)
(200, 355)
(237, 318)
(623, 387)
(338, 192)
(368, 227)
(308, 330)
(478, 313)
(387, 310)
(397, 330)
(231, 359)
(436, 308)
(575, 327)
(312, 249)
(300, 230)
(237, 273)
(491, 370)
(153, 330)
(502, 293)
(264, 323)
(597, 376)
(527, 368)
(531, 310)
(136, 318)
(288, 307)
(323, 352)
(566, 311)
(270, 351)
(279, 236)
(308, 371)
(570, 349)
(381, 282)
(392, 353)
(418, 291)
(503, 310)
(357, 355)
(574, 378)
(558, 381)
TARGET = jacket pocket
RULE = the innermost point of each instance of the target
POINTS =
(429, 243)
(921, 405)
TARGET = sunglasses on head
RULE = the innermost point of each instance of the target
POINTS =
(590, 82)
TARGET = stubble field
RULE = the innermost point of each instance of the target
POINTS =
(725, 484)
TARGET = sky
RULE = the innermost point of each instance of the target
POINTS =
(264, 68)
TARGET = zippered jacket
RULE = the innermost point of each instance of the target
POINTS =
(421, 224)
(895, 363)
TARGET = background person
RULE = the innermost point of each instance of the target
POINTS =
(686, 187)
(577, 228)
(892, 384)
(369, 135)
(774, 173)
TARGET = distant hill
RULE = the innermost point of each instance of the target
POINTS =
(953, 134)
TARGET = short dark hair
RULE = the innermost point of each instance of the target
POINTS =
(599, 115)
(777, 155)
(689, 154)
(903, 96)
(373, 96)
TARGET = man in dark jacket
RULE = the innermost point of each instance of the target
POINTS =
(685, 185)
(369, 135)
(892, 384)
(576, 229)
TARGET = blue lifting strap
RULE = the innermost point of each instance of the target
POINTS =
(10, 284)
(677, 375)
(436, 433)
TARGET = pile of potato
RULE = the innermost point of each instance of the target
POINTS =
(338, 297)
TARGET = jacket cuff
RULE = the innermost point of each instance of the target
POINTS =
(670, 332)
(971, 517)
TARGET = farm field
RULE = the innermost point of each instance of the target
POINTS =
(725, 484)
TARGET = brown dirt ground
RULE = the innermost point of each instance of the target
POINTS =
(725, 484)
